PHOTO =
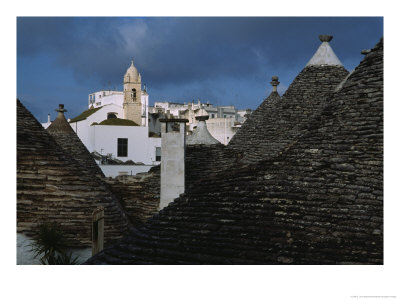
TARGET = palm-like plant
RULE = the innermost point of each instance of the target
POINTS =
(51, 247)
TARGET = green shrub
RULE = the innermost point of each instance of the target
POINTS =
(50, 246)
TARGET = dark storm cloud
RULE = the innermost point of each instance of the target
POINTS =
(220, 48)
(182, 50)
(223, 60)
(91, 47)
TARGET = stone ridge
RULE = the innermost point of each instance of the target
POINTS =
(277, 122)
(53, 187)
(319, 202)
(66, 137)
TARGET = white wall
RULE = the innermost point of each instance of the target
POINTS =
(104, 138)
(115, 170)
(85, 131)
(222, 129)
(102, 113)
(145, 109)
(141, 148)
(45, 125)
(25, 255)
(106, 97)
(117, 99)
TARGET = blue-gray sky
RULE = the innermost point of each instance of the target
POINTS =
(226, 60)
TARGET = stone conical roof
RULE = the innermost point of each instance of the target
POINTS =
(275, 124)
(201, 135)
(318, 202)
(53, 187)
(66, 137)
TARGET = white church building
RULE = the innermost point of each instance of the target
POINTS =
(116, 123)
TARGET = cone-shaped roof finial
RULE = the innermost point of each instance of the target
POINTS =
(274, 83)
(61, 108)
(325, 38)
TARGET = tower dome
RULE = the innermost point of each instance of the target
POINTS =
(132, 74)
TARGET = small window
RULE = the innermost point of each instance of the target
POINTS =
(212, 116)
(122, 147)
(111, 115)
(158, 153)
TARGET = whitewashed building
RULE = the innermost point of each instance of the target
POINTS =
(223, 129)
(116, 123)
(223, 122)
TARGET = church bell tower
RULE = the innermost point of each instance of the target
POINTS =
(132, 95)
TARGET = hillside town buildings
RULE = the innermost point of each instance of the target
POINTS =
(223, 121)
(115, 127)
(120, 127)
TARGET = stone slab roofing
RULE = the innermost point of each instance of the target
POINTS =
(278, 121)
(66, 137)
(139, 194)
(53, 187)
(319, 201)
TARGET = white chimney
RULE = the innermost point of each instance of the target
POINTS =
(173, 135)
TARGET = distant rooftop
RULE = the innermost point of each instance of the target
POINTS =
(85, 114)
(117, 122)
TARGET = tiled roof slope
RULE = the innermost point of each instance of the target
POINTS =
(139, 194)
(84, 115)
(52, 187)
(319, 202)
(206, 161)
(276, 122)
(66, 137)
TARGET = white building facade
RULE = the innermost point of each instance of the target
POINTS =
(116, 123)
(223, 122)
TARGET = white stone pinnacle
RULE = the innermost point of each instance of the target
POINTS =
(324, 56)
